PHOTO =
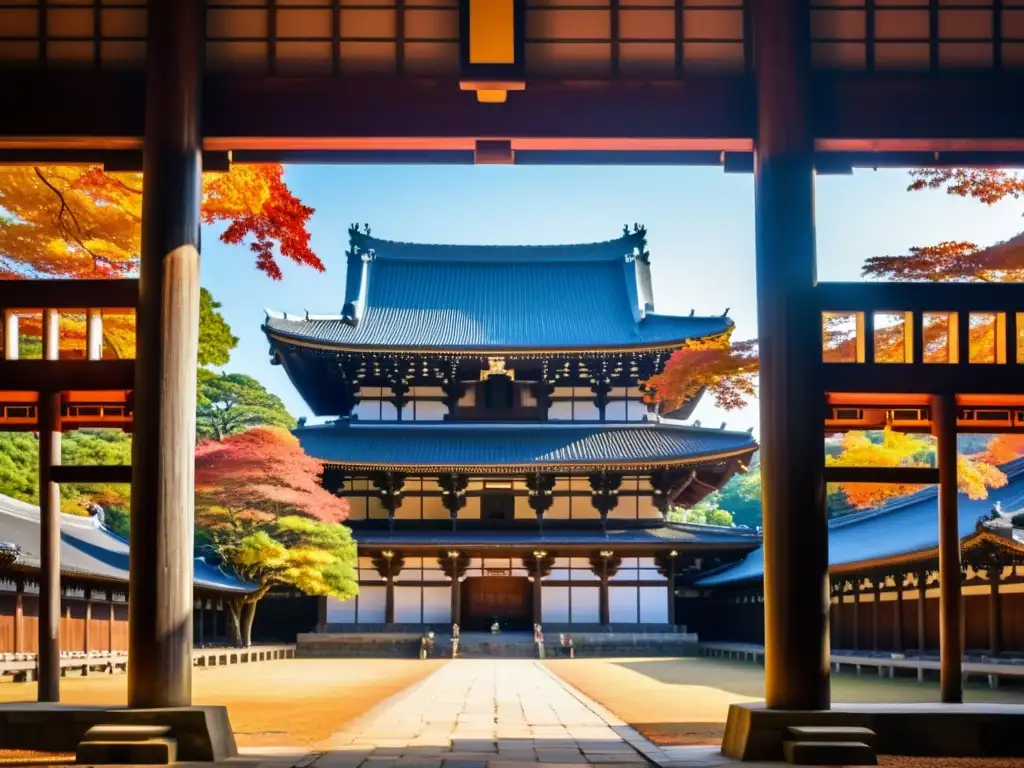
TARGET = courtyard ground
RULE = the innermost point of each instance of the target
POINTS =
(293, 702)
(684, 701)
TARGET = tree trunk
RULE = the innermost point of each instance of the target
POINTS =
(235, 607)
(248, 614)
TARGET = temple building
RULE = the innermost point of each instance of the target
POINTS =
(489, 431)
(884, 574)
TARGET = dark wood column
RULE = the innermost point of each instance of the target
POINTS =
(604, 487)
(837, 630)
(49, 547)
(163, 487)
(666, 562)
(201, 629)
(110, 622)
(856, 615)
(605, 565)
(390, 485)
(539, 565)
(876, 598)
(540, 486)
(388, 565)
(950, 599)
(19, 617)
(453, 494)
(897, 625)
(88, 618)
(789, 334)
(922, 614)
(454, 565)
(995, 610)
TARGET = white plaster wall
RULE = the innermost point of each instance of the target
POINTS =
(437, 605)
(622, 605)
(654, 605)
(341, 612)
(407, 605)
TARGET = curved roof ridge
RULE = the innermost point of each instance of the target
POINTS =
(603, 250)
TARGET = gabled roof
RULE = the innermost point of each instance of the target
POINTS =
(415, 297)
(894, 531)
(88, 549)
(507, 446)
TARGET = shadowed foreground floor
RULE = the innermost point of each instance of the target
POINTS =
(675, 702)
(294, 702)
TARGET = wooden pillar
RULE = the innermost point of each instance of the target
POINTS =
(389, 599)
(457, 601)
(922, 613)
(789, 334)
(201, 640)
(94, 335)
(838, 631)
(19, 617)
(944, 411)
(538, 589)
(876, 599)
(88, 619)
(672, 589)
(110, 621)
(167, 332)
(856, 615)
(995, 611)
(49, 547)
(897, 625)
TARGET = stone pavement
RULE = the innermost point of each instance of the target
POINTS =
(505, 713)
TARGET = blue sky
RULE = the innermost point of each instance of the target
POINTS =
(700, 224)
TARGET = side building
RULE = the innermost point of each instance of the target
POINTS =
(490, 435)
(884, 573)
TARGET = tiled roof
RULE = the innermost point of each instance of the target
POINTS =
(447, 444)
(565, 297)
(893, 530)
(87, 548)
(668, 534)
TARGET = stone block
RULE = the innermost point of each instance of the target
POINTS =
(161, 751)
(828, 753)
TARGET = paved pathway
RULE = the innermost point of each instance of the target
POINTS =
(495, 714)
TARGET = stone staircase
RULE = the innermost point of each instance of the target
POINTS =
(128, 745)
(830, 745)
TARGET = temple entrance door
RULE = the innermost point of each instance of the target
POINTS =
(509, 599)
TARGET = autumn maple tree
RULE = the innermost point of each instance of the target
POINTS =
(263, 512)
(975, 473)
(726, 369)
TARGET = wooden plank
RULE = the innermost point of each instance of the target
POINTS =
(898, 475)
(67, 375)
(69, 294)
(922, 378)
(92, 474)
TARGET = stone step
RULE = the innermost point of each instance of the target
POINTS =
(117, 732)
(833, 733)
(828, 753)
(157, 751)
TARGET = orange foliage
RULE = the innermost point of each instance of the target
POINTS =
(955, 260)
(727, 370)
(67, 221)
(260, 475)
(975, 474)
(1004, 448)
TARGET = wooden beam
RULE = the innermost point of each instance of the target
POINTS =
(951, 641)
(92, 474)
(855, 112)
(927, 297)
(924, 378)
(896, 475)
(68, 294)
(65, 375)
